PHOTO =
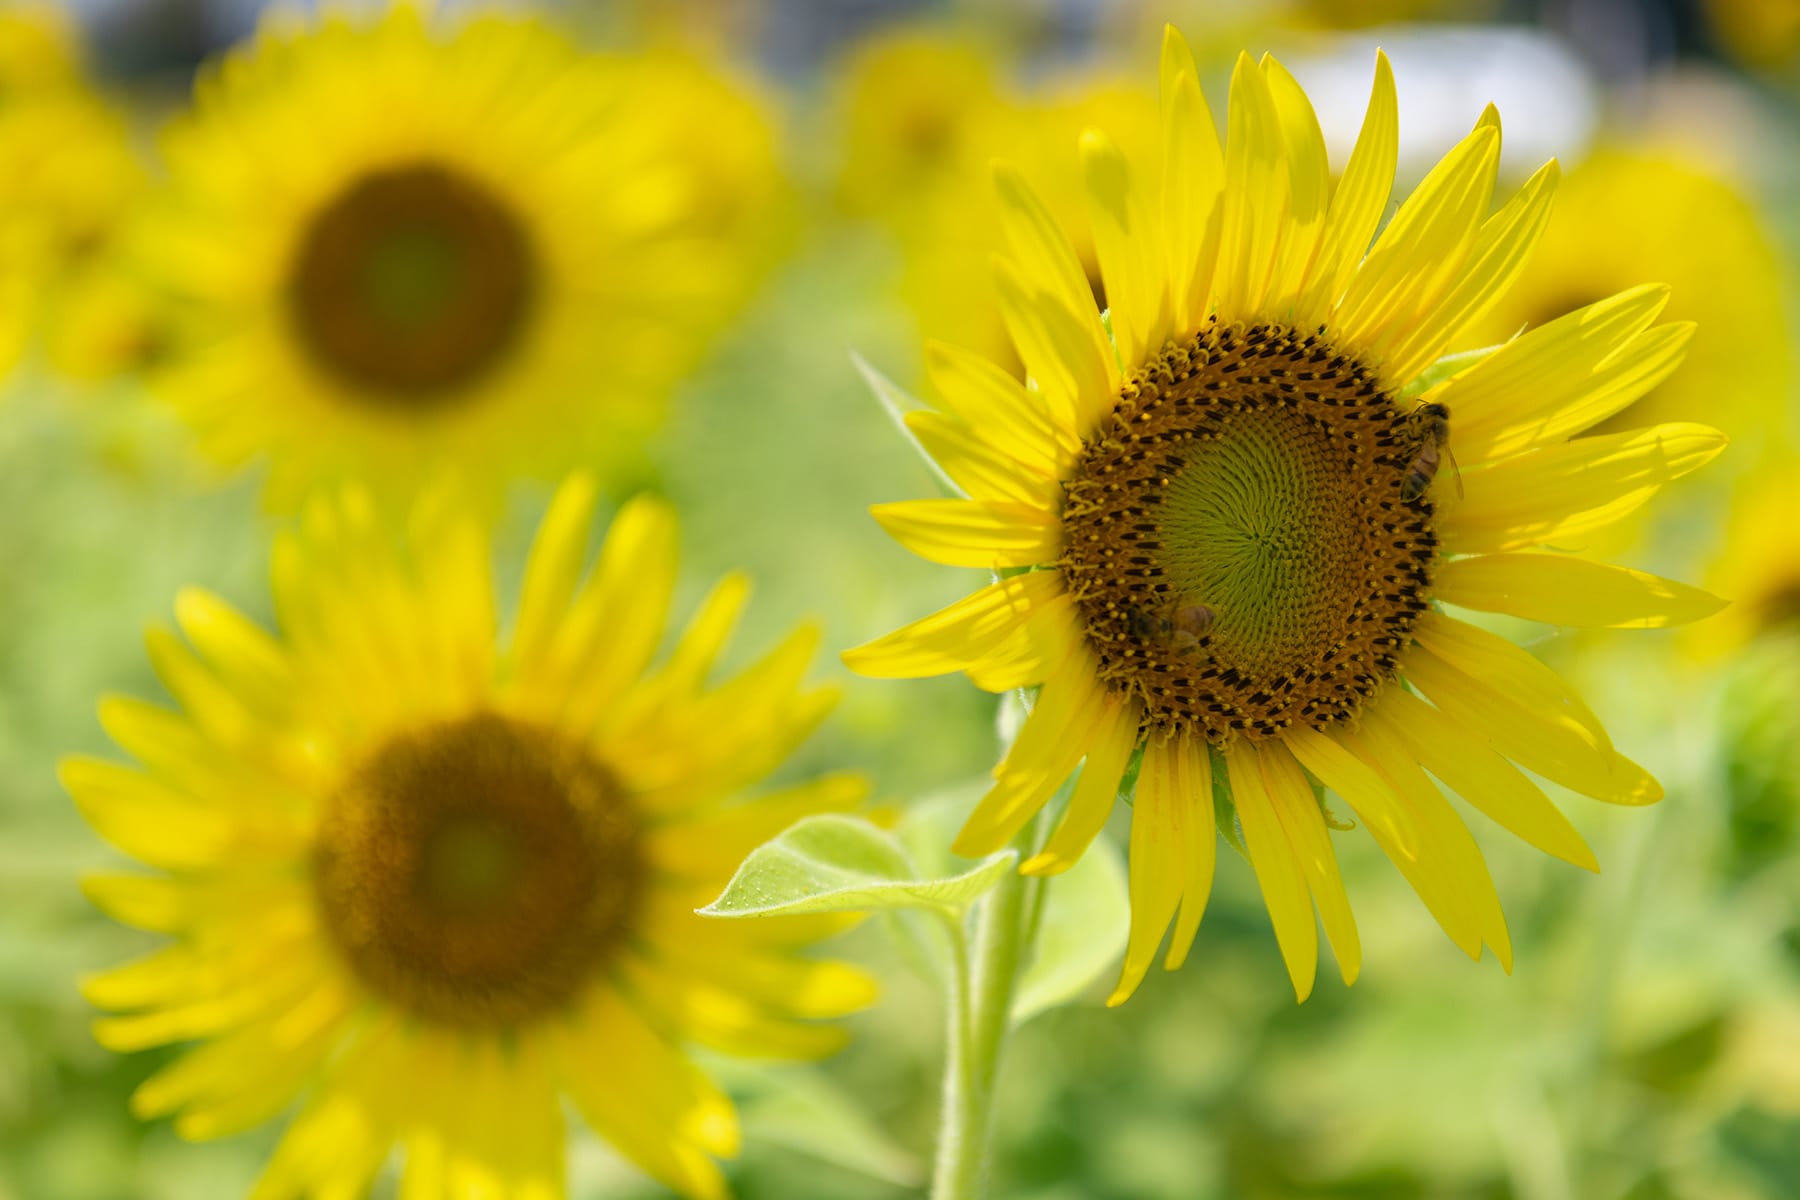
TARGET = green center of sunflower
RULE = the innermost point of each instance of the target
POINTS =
(1250, 536)
(412, 284)
(476, 873)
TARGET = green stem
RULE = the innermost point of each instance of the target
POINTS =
(980, 1011)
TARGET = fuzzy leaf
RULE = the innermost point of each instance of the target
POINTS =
(835, 863)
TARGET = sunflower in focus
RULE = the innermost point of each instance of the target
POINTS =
(506, 273)
(1227, 514)
(426, 885)
(926, 115)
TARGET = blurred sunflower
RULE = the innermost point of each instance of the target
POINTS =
(70, 177)
(1627, 213)
(427, 884)
(925, 115)
(1758, 564)
(1757, 33)
(1222, 538)
(505, 273)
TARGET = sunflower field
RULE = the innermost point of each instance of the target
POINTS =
(863, 599)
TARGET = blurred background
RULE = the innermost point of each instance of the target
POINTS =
(1647, 1044)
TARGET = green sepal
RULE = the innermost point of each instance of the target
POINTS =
(1444, 368)
(1225, 814)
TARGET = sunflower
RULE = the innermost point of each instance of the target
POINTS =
(70, 176)
(1225, 523)
(1758, 563)
(427, 884)
(506, 272)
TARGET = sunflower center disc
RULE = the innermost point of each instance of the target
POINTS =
(1243, 544)
(412, 283)
(476, 873)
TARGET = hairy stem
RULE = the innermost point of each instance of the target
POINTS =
(982, 984)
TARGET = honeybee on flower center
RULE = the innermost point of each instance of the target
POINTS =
(1430, 425)
(1179, 628)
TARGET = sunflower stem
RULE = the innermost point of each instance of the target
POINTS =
(983, 978)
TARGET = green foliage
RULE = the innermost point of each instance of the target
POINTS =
(835, 863)
(1082, 924)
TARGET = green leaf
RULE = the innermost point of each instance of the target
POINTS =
(806, 1112)
(835, 863)
(1082, 927)
(1225, 809)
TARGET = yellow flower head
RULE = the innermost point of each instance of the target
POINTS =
(505, 272)
(1226, 516)
(926, 116)
(70, 177)
(427, 883)
(1758, 564)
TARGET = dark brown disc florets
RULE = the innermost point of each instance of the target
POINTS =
(479, 872)
(1244, 546)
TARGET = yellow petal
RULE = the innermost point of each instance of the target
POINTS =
(1280, 877)
(1501, 250)
(1357, 204)
(1460, 758)
(1064, 724)
(1192, 181)
(145, 819)
(1254, 211)
(1194, 787)
(1130, 248)
(1420, 253)
(705, 637)
(972, 533)
(1034, 651)
(1560, 589)
(1523, 710)
(728, 1021)
(1498, 405)
(612, 628)
(252, 662)
(558, 554)
(1094, 795)
(1159, 845)
(1297, 810)
(1078, 382)
(711, 844)
(645, 1097)
(1356, 783)
(1558, 395)
(1558, 492)
(976, 466)
(1043, 254)
(1012, 417)
(1450, 875)
(958, 636)
(1309, 183)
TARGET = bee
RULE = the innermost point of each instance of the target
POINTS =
(1430, 423)
(1179, 628)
